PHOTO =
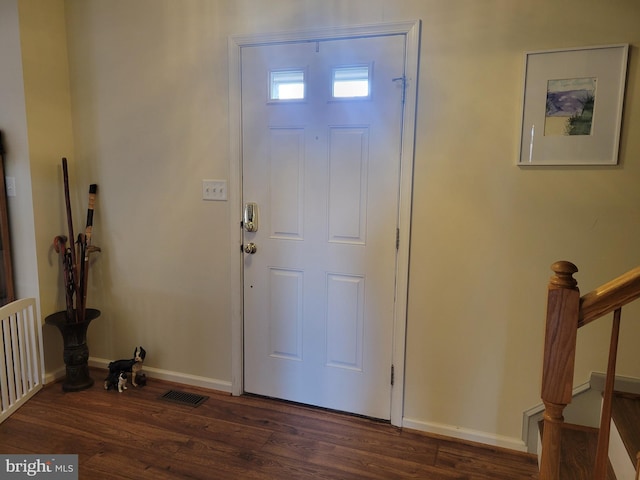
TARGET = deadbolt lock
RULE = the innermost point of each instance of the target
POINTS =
(250, 217)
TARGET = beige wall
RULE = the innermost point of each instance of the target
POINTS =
(149, 95)
(36, 121)
(45, 67)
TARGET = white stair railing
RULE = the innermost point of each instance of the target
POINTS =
(21, 355)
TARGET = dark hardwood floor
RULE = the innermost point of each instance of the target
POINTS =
(135, 435)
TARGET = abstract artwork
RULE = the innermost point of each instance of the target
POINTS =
(572, 106)
(569, 106)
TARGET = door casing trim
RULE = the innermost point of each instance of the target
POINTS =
(236, 43)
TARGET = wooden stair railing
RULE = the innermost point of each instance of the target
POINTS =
(566, 312)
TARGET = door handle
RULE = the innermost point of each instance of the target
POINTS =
(250, 217)
(250, 248)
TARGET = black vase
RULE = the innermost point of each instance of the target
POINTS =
(76, 351)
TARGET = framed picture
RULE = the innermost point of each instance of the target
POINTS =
(572, 106)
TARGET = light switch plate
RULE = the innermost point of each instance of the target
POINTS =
(214, 190)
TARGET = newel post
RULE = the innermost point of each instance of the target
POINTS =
(563, 304)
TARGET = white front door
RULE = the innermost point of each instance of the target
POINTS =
(321, 141)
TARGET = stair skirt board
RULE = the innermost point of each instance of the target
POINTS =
(622, 384)
(619, 457)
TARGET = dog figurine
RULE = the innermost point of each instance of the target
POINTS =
(122, 382)
(132, 366)
(116, 380)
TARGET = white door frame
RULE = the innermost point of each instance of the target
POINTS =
(235, 45)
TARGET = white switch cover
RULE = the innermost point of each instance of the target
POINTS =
(214, 190)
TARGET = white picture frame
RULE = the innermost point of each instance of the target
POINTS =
(572, 105)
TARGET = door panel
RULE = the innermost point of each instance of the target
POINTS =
(345, 321)
(348, 168)
(285, 313)
(286, 188)
(324, 172)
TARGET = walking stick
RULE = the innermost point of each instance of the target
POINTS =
(60, 246)
(86, 249)
(72, 315)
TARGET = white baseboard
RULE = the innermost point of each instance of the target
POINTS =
(177, 377)
(465, 434)
(55, 375)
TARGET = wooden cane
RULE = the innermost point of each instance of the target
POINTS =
(85, 248)
(60, 246)
(74, 264)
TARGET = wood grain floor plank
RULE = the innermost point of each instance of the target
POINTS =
(492, 465)
(135, 435)
(352, 461)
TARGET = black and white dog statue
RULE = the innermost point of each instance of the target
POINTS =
(132, 366)
(116, 380)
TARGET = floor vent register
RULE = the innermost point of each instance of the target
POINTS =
(183, 398)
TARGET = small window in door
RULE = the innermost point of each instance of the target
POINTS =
(286, 85)
(351, 82)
